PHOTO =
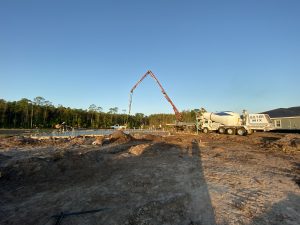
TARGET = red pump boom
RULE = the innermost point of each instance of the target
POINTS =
(149, 72)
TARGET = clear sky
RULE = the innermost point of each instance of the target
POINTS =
(220, 55)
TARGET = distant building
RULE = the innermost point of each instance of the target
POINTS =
(286, 119)
(286, 123)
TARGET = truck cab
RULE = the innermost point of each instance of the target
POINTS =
(259, 122)
(208, 125)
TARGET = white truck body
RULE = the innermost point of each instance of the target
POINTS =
(226, 118)
(118, 127)
(231, 122)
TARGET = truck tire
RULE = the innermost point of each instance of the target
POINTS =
(230, 131)
(205, 130)
(241, 131)
(221, 130)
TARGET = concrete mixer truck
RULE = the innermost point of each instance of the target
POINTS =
(232, 123)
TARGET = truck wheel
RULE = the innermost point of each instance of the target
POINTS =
(221, 130)
(230, 131)
(241, 131)
(205, 130)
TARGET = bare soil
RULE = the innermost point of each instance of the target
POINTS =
(179, 179)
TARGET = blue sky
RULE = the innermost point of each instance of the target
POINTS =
(220, 55)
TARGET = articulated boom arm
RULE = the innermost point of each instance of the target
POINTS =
(149, 72)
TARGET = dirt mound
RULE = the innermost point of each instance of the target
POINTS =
(286, 143)
(117, 137)
(151, 137)
(120, 137)
(98, 141)
(289, 142)
(17, 141)
(139, 149)
(81, 141)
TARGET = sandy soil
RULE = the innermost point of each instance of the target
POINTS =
(179, 179)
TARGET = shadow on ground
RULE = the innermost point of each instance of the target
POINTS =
(284, 212)
(165, 184)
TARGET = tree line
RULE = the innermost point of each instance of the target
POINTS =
(41, 113)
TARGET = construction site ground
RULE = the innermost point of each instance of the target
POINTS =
(179, 179)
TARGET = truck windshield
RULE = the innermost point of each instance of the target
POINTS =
(268, 118)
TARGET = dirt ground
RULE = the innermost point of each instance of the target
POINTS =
(180, 179)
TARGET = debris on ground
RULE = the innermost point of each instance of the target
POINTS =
(148, 179)
(98, 141)
(286, 143)
(6, 142)
(120, 137)
(138, 149)
(289, 142)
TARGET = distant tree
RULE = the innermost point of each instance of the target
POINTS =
(3, 108)
(23, 112)
(125, 117)
(92, 108)
(39, 100)
(99, 109)
(139, 120)
(26, 113)
(47, 104)
(113, 110)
